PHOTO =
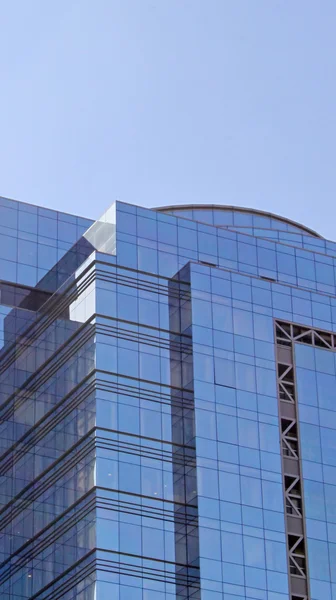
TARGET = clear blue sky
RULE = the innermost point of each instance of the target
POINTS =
(170, 101)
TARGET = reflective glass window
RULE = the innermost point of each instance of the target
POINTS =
(314, 500)
(261, 296)
(248, 433)
(251, 491)
(206, 424)
(229, 487)
(167, 233)
(210, 543)
(147, 228)
(207, 482)
(225, 372)
(318, 560)
(223, 217)
(127, 307)
(254, 552)
(27, 222)
(266, 384)
(241, 292)
(305, 356)
(202, 215)
(207, 243)
(245, 377)
(187, 238)
(129, 478)
(47, 227)
(242, 322)
(232, 547)
(242, 218)
(227, 429)
(27, 252)
(305, 268)
(247, 253)
(263, 328)
(286, 263)
(130, 538)
(67, 232)
(266, 259)
(223, 318)
(324, 273)
(326, 390)
(272, 495)
(310, 442)
(147, 259)
(261, 221)
(306, 386)
(8, 247)
(9, 217)
(227, 249)
(269, 437)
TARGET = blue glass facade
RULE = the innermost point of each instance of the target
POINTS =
(167, 409)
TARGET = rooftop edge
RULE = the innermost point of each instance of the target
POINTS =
(227, 207)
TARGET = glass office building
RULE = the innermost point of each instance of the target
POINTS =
(168, 405)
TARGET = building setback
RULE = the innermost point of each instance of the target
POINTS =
(167, 405)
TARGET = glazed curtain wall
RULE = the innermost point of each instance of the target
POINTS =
(147, 517)
(164, 244)
(47, 442)
(242, 537)
(316, 381)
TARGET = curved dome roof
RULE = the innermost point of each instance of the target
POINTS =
(236, 216)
